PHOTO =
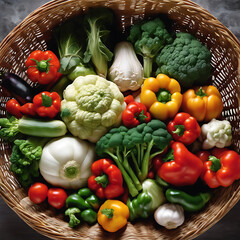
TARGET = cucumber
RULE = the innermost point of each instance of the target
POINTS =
(42, 128)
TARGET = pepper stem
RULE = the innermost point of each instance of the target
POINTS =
(103, 179)
(169, 156)
(201, 93)
(43, 65)
(163, 95)
(180, 129)
(216, 163)
(108, 212)
(141, 117)
(46, 100)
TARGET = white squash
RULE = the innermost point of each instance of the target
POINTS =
(126, 70)
(66, 162)
(169, 215)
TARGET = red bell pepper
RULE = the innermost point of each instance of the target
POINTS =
(13, 107)
(128, 99)
(134, 114)
(180, 167)
(184, 128)
(47, 104)
(43, 67)
(106, 180)
(28, 109)
(222, 167)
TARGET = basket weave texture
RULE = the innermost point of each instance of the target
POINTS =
(35, 32)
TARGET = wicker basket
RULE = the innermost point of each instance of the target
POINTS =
(35, 32)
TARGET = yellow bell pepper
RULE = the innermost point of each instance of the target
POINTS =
(162, 96)
(113, 215)
(203, 103)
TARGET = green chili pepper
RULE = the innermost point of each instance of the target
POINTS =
(190, 203)
(89, 216)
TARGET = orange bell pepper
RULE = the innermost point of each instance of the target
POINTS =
(113, 215)
(203, 103)
(162, 96)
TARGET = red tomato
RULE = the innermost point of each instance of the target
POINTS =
(13, 107)
(38, 193)
(57, 197)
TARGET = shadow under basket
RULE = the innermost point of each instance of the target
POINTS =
(35, 32)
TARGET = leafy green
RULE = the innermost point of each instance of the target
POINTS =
(25, 157)
(97, 23)
(70, 47)
(9, 129)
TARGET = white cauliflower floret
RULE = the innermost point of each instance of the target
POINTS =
(216, 133)
(91, 106)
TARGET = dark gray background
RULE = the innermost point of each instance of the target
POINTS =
(13, 12)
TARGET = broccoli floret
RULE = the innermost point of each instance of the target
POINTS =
(9, 129)
(112, 145)
(145, 137)
(148, 38)
(186, 60)
(25, 158)
(72, 214)
(135, 146)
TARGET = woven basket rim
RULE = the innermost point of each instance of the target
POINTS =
(51, 4)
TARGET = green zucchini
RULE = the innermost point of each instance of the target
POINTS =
(42, 128)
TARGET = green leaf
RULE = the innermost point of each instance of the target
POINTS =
(71, 46)
(67, 64)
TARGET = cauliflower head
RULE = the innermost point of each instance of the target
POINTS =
(91, 106)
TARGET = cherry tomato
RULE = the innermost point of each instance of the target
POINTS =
(57, 197)
(150, 175)
(38, 193)
(13, 107)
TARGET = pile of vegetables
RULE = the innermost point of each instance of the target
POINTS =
(82, 142)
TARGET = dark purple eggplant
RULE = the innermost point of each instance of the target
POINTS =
(17, 86)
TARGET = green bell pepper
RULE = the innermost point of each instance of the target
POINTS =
(89, 216)
(84, 199)
(82, 205)
(190, 203)
(146, 202)
(139, 207)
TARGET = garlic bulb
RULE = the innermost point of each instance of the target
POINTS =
(126, 70)
(169, 215)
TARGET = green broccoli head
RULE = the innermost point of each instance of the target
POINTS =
(111, 140)
(148, 38)
(186, 60)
